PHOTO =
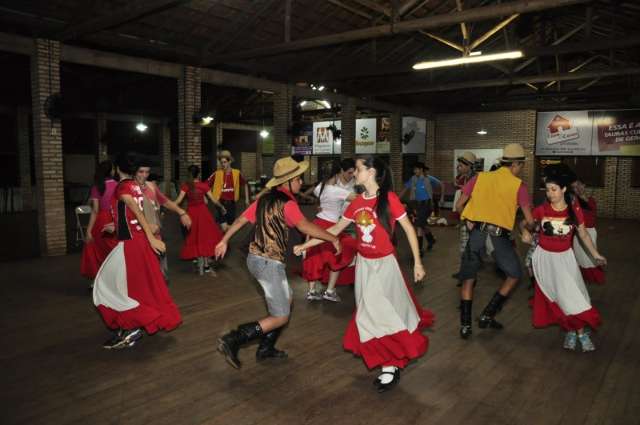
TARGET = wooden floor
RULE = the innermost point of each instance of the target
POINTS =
(54, 370)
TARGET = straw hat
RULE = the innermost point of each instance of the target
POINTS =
(225, 154)
(513, 152)
(286, 169)
(468, 158)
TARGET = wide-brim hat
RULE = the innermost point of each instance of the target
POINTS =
(468, 158)
(513, 152)
(225, 154)
(286, 169)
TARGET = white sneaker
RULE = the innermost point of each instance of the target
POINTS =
(313, 296)
(331, 296)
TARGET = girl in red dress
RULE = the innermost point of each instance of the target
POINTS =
(560, 294)
(320, 263)
(204, 234)
(591, 272)
(385, 329)
(100, 238)
(130, 291)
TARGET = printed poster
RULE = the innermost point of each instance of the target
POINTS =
(323, 137)
(616, 132)
(366, 130)
(302, 143)
(564, 133)
(414, 135)
(384, 135)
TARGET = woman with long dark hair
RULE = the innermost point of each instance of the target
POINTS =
(130, 291)
(385, 329)
(204, 234)
(100, 238)
(320, 263)
(561, 296)
(591, 272)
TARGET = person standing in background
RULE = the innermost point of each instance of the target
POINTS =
(225, 187)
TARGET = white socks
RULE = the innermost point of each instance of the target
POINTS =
(385, 378)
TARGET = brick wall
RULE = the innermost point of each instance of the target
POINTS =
(617, 199)
(282, 104)
(348, 128)
(459, 131)
(166, 160)
(189, 134)
(395, 149)
(47, 140)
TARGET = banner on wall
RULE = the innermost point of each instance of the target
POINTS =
(414, 135)
(616, 132)
(366, 131)
(302, 143)
(384, 135)
(323, 137)
(564, 133)
(576, 133)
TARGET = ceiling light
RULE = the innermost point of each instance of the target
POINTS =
(304, 102)
(467, 59)
(141, 127)
(476, 53)
(264, 133)
(320, 88)
(482, 132)
(203, 118)
(326, 104)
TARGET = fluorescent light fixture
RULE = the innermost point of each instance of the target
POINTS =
(482, 132)
(320, 88)
(304, 102)
(468, 59)
(207, 120)
(264, 133)
(476, 53)
(326, 104)
(141, 127)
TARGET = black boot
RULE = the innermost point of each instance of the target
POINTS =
(465, 318)
(487, 319)
(267, 348)
(230, 343)
(431, 241)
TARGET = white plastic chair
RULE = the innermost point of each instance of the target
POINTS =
(81, 210)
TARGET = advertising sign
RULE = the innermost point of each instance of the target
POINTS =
(302, 144)
(414, 135)
(323, 137)
(384, 135)
(616, 133)
(366, 135)
(564, 133)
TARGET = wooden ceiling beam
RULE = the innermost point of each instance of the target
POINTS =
(132, 12)
(503, 82)
(469, 15)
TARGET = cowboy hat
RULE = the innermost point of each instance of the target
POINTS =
(513, 152)
(468, 158)
(225, 154)
(286, 169)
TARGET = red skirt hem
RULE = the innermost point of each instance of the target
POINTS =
(203, 236)
(95, 252)
(140, 317)
(593, 275)
(547, 313)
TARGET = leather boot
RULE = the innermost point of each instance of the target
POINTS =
(487, 319)
(465, 318)
(230, 344)
(267, 347)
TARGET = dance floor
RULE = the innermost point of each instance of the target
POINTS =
(55, 371)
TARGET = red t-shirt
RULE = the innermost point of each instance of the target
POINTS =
(228, 192)
(195, 196)
(292, 213)
(555, 235)
(373, 239)
(128, 220)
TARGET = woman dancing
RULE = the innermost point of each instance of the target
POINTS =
(385, 329)
(591, 272)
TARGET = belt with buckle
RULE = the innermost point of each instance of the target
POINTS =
(493, 230)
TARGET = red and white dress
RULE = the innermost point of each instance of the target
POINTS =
(590, 271)
(386, 327)
(561, 296)
(204, 234)
(95, 252)
(130, 291)
(321, 259)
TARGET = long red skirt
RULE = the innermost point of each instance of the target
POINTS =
(203, 236)
(593, 275)
(396, 349)
(547, 313)
(130, 291)
(95, 252)
(321, 259)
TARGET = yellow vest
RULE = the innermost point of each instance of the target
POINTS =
(218, 182)
(494, 198)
